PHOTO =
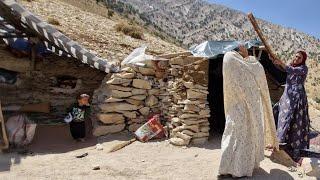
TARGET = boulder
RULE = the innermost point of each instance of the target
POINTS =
(178, 141)
(120, 94)
(183, 136)
(120, 88)
(191, 107)
(134, 102)
(147, 71)
(138, 91)
(144, 111)
(204, 112)
(124, 75)
(141, 84)
(176, 120)
(128, 114)
(139, 120)
(114, 107)
(118, 81)
(112, 99)
(182, 61)
(188, 85)
(138, 97)
(154, 91)
(188, 132)
(111, 118)
(201, 134)
(128, 69)
(186, 116)
(191, 94)
(151, 101)
(205, 129)
(134, 127)
(187, 101)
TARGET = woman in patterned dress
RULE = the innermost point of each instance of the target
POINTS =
(291, 112)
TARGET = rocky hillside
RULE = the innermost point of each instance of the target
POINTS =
(93, 27)
(194, 21)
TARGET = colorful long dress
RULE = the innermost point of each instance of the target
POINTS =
(291, 113)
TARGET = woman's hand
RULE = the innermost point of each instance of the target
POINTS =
(243, 51)
(277, 62)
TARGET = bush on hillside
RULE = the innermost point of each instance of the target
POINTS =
(130, 30)
(53, 21)
(110, 13)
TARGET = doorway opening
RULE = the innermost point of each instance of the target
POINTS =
(215, 97)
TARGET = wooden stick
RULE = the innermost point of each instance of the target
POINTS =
(262, 38)
(4, 133)
(122, 145)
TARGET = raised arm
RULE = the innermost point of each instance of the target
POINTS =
(300, 70)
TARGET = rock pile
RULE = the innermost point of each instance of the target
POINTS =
(179, 94)
(126, 100)
(186, 106)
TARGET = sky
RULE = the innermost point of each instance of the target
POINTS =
(298, 14)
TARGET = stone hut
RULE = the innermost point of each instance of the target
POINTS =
(57, 77)
(187, 91)
(184, 88)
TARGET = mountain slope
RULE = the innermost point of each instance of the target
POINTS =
(194, 21)
(95, 32)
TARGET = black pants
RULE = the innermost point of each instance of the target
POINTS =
(78, 129)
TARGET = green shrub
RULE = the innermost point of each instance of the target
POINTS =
(130, 30)
(53, 21)
(110, 13)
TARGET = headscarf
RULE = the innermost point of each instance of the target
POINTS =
(304, 59)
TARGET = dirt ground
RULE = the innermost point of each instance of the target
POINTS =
(54, 157)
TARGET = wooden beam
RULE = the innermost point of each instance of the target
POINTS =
(5, 141)
(261, 36)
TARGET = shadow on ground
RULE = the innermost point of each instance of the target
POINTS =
(48, 139)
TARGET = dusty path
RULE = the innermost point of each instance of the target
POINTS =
(54, 158)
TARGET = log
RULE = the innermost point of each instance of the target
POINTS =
(4, 136)
(41, 107)
(256, 27)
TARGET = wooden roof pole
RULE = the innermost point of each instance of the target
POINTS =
(256, 27)
(4, 133)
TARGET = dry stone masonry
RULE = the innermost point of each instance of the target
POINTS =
(187, 107)
(127, 99)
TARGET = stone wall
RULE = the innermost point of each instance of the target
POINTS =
(126, 100)
(41, 85)
(186, 108)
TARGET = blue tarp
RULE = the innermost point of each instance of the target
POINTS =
(22, 44)
(211, 49)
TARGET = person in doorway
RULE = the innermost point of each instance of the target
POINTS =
(248, 111)
(79, 112)
(291, 112)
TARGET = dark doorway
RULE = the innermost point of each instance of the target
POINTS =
(275, 77)
(215, 97)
